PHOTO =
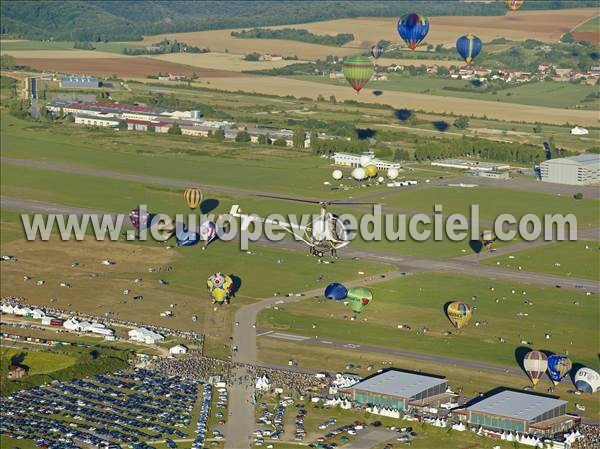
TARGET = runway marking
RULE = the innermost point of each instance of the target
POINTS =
(288, 336)
(264, 333)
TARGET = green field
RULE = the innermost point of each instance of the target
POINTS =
(418, 300)
(570, 259)
(495, 201)
(109, 47)
(591, 25)
(38, 362)
(62, 363)
(549, 93)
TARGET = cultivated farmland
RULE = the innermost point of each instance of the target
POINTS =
(222, 61)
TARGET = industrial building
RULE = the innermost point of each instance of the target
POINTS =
(353, 160)
(515, 411)
(470, 165)
(398, 390)
(580, 170)
(79, 82)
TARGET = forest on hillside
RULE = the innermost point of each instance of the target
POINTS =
(118, 20)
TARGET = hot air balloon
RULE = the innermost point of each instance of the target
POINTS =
(412, 29)
(337, 174)
(139, 219)
(487, 239)
(359, 298)
(587, 380)
(336, 291)
(513, 5)
(192, 197)
(186, 237)
(208, 232)
(392, 173)
(459, 314)
(364, 160)
(376, 52)
(359, 173)
(558, 367)
(220, 287)
(469, 47)
(371, 170)
(535, 364)
(357, 71)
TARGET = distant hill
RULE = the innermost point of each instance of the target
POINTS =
(96, 20)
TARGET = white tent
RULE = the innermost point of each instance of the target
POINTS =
(579, 131)
(263, 383)
(178, 349)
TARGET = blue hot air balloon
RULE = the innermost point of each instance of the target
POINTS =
(469, 47)
(558, 367)
(186, 237)
(336, 291)
(412, 29)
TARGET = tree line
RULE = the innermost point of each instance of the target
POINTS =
(164, 47)
(294, 34)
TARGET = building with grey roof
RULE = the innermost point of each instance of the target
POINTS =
(580, 170)
(516, 411)
(80, 82)
(398, 390)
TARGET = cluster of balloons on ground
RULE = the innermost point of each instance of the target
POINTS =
(357, 297)
(413, 29)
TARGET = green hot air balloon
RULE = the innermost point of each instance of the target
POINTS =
(359, 298)
(357, 71)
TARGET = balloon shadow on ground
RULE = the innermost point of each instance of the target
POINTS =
(441, 125)
(208, 205)
(446, 305)
(403, 114)
(576, 367)
(476, 246)
(237, 284)
(365, 133)
(476, 83)
(377, 93)
(520, 353)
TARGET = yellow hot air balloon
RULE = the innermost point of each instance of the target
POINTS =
(513, 5)
(459, 314)
(371, 170)
(192, 197)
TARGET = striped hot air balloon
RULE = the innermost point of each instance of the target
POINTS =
(358, 71)
(459, 314)
(469, 47)
(412, 29)
(192, 197)
(535, 364)
(513, 5)
(376, 52)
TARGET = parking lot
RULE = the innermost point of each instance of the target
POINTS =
(108, 410)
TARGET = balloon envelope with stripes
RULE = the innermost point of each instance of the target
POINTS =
(535, 364)
(413, 28)
(358, 71)
(192, 197)
(468, 47)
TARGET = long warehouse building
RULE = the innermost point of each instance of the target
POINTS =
(580, 170)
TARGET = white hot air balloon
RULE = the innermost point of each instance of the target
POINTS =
(359, 173)
(364, 160)
(587, 380)
(337, 174)
(393, 173)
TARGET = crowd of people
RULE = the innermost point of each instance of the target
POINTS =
(203, 368)
(591, 437)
